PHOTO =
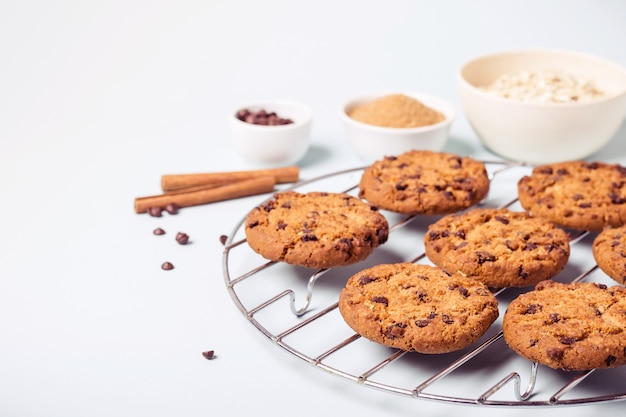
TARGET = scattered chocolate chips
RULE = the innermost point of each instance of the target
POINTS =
(167, 266)
(158, 231)
(172, 208)
(182, 238)
(155, 211)
(209, 354)
(223, 239)
(262, 117)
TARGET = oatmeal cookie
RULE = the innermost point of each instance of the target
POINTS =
(609, 251)
(417, 307)
(424, 182)
(576, 194)
(499, 247)
(316, 229)
(576, 327)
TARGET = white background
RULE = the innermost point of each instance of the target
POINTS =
(98, 99)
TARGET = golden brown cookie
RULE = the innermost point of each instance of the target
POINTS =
(417, 307)
(499, 247)
(609, 251)
(316, 229)
(424, 182)
(577, 194)
(578, 326)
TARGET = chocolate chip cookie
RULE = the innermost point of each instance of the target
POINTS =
(416, 307)
(316, 229)
(499, 247)
(609, 251)
(577, 194)
(578, 326)
(424, 182)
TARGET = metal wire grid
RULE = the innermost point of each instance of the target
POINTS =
(425, 372)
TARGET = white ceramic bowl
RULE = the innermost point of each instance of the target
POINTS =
(273, 146)
(372, 143)
(539, 133)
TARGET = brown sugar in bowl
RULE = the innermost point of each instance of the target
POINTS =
(388, 124)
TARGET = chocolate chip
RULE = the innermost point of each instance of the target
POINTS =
(484, 256)
(502, 220)
(555, 353)
(309, 238)
(533, 308)
(158, 231)
(166, 266)
(610, 360)
(223, 239)
(366, 279)
(422, 296)
(281, 225)
(209, 354)
(344, 244)
(464, 291)
(511, 245)
(617, 199)
(400, 186)
(447, 319)
(584, 205)
(554, 318)
(567, 340)
(172, 208)
(380, 300)
(434, 235)
(395, 330)
(182, 238)
(422, 323)
(155, 211)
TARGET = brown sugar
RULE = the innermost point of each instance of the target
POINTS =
(396, 110)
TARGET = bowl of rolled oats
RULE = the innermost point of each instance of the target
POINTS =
(543, 106)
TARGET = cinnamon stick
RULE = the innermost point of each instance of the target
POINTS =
(243, 188)
(214, 179)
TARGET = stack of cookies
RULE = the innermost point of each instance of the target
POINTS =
(448, 306)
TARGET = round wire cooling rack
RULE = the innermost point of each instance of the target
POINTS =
(296, 309)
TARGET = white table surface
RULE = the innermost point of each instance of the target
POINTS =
(98, 99)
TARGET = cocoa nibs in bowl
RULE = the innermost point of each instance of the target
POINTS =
(262, 117)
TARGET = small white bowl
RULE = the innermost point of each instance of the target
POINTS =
(273, 146)
(372, 143)
(540, 133)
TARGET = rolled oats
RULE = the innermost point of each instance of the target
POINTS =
(544, 86)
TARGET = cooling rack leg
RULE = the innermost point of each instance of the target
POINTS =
(514, 376)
